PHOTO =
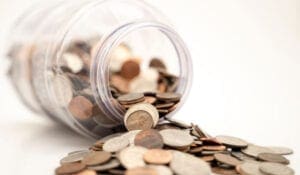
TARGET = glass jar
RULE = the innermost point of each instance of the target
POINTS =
(65, 56)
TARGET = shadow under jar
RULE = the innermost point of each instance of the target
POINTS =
(72, 59)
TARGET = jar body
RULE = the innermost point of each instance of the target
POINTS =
(63, 55)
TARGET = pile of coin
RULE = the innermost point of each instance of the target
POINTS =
(174, 147)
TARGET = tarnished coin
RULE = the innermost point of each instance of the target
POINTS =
(141, 116)
(131, 98)
(250, 168)
(158, 156)
(149, 139)
(227, 159)
(176, 138)
(132, 157)
(87, 172)
(276, 158)
(70, 168)
(130, 69)
(74, 157)
(281, 150)
(168, 96)
(183, 164)
(81, 108)
(161, 169)
(115, 144)
(141, 171)
(254, 150)
(269, 168)
(232, 142)
(114, 163)
(96, 158)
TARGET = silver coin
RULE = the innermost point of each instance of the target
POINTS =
(176, 138)
(130, 135)
(132, 157)
(161, 169)
(250, 168)
(74, 157)
(281, 150)
(115, 144)
(232, 142)
(114, 163)
(254, 150)
(269, 168)
(183, 164)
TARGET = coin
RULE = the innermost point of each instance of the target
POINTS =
(176, 138)
(149, 99)
(139, 120)
(276, 158)
(158, 156)
(74, 157)
(73, 62)
(281, 150)
(131, 98)
(130, 136)
(232, 142)
(164, 105)
(96, 158)
(149, 139)
(119, 55)
(62, 86)
(183, 164)
(227, 159)
(214, 148)
(78, 151)
(141, 171)
(157, 63)
(87, 172)
(130, 69)
(114, 163)
(161, 169)
(81, 108)
(250, 168)
(275, 169)
(254, 150)
(224, 171)
(132, 157)
(115, 144)
(168, 96)
(70, 168)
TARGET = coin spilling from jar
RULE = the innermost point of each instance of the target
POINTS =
(167, 147)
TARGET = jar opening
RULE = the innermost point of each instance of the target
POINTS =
(146, 40)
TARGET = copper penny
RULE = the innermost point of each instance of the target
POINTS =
(158, 156)
(130, 69)
(139, 120)
(96, 158)
(149, 139)
(81, 108)
(70, 168)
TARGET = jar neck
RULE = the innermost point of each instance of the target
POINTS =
(100, 69)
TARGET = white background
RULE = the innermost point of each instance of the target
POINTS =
(246, 81)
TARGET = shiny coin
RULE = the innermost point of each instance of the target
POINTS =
(131, 98)
(114, 163)
(176, 138)
(149, 139)
(74, 157)
(132, 157)
(232, 142)
(275, 169)
(141, 171)
(227, 159)
(161, 170)
(183, 164)
(70, 168)
(115, 144)
(254, 150)
(168, 96)
(250, 168)
(158, 156)
(276, 158)
(96, 158)
(281, 150)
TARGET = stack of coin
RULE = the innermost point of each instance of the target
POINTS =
(174, 147)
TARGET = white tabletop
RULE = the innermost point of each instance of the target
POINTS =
(246, 81)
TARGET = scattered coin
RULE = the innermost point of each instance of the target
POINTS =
(96, 158)
(250, 168)
(158, 156)
(132, 157)
(161, 170)
(114, 163)
(115, 144)
(141, 171)
(74, 157)
(176, 138)
(227, 159)
(149, 139)
(232, 142)
(224, 171)
(87, 172)
(70, 168)
(281, 150)
(254, 150)
(276, 158)
(275, 169)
